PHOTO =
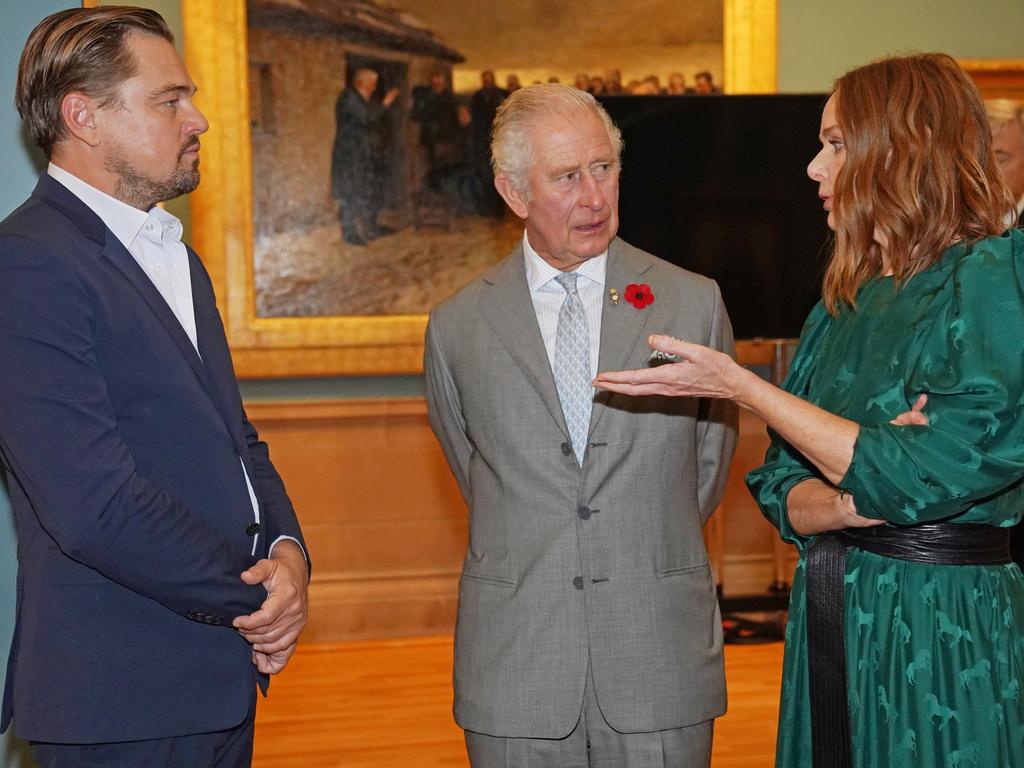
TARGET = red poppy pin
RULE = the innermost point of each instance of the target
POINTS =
(640, 295)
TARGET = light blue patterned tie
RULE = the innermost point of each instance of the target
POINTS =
(572, 364)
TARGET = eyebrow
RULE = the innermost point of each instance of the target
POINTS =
(826, 131)
(163, 90)
(569, 168)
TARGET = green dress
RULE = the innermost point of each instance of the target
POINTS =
(935, 654)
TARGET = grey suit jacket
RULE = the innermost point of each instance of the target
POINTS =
(566, 563)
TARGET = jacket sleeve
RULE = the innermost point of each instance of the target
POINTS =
(718, 423)
(972, 370)
(59, 437)
(444, 409)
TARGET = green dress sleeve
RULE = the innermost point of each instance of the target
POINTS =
(971, 366)
(784, 466)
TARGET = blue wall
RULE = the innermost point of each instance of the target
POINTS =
(19, 167)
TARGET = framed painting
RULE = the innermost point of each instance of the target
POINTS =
(997, 78)
(326, 245)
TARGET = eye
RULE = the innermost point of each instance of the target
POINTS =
(838, 145)
(173, 103)
(571, 176)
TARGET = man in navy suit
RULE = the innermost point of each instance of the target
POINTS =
(162, 573)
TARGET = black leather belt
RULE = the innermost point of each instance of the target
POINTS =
(825, 566)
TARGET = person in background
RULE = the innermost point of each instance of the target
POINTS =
(897, 458)
(434, 108)
(588, 630)
(677, 85)
(482, 106)
(703, 84)
(582, 81)
(1006, 116)
(512, 83)
(655, 85)
(357, 168)
(613, 83)
(161, 570)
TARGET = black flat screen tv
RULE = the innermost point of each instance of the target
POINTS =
(718, 185)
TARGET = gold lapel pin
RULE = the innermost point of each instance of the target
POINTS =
(613, 294)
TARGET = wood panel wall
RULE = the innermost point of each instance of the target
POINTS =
(386, 526)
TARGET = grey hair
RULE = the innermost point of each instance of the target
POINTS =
(511, 150)
(1003, 111)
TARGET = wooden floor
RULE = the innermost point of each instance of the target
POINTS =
(388, 703)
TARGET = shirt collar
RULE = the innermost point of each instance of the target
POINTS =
(127, 223)
(539, 273)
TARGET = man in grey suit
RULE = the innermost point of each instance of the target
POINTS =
(588, 630)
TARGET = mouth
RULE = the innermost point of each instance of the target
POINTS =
(191, 149)
(588, 229)
(826, 202)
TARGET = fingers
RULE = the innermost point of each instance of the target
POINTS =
(915, 416)
(670, 344)
(272, 663)
(264, 616)
(259, 572)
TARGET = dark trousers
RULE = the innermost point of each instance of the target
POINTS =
(221, 749)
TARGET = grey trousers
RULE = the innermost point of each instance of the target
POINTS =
(595, 744)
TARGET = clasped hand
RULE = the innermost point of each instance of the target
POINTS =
(274, 629)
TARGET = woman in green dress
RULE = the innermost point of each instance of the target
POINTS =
(897, 458)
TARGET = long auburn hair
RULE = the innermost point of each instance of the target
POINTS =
(919, 171)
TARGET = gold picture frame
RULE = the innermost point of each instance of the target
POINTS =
(217, 57)
(997, 78)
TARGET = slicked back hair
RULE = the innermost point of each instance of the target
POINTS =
(80, 49)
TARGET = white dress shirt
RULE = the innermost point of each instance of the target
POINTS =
(154, 240)
(548, 297)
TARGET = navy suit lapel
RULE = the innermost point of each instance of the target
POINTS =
(56, 194)
(508, 308)
(213, 346)
(119, 256)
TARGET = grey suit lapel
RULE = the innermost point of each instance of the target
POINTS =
(508, 308)
(621, 323)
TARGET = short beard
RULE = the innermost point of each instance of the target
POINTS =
(143, 192)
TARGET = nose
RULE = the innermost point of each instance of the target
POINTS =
(816, 168)
(591, 193)
(196, 123)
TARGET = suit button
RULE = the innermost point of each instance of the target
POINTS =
(583, 513)
(566, 449)
(253, 529)
(578, 582)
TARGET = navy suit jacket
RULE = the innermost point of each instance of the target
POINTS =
(122, 450)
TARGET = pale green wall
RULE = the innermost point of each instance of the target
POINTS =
(19, 167)
(819, 41)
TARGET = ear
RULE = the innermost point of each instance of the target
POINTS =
(511, 194)
(78, 112)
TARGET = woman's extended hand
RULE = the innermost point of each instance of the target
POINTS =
(701, 372)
